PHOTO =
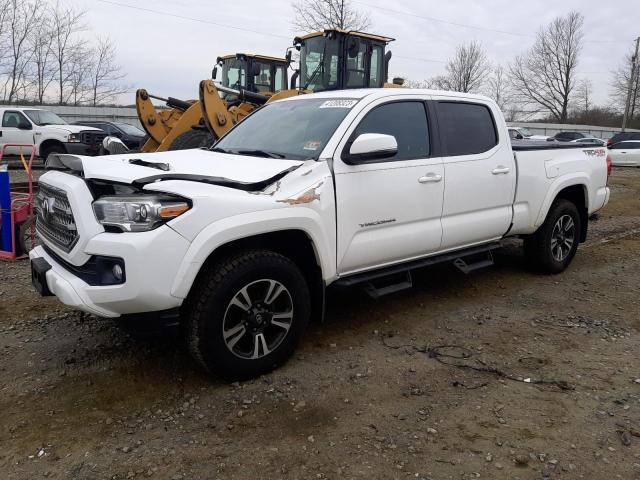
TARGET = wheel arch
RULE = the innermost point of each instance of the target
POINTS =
(577, 192)
(294, 243)
(48, 143)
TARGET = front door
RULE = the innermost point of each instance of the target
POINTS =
(389, 209)
(12, 133)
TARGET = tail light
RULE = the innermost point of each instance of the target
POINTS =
(609, 166)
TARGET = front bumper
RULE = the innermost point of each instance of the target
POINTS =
(82, 149)
(151, 259)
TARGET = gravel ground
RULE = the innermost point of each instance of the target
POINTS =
(540, 380)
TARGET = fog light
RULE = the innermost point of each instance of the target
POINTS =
(117, 272)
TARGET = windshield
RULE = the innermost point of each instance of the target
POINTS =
(44, 117)
(234, 73)
(129, 129)
(525, 132)
(296, 130)
(319, 64)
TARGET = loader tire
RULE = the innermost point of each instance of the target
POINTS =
(192, 139)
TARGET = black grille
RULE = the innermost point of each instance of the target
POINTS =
(54, 221)
(91, 137)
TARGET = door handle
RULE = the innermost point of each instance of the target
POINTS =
(430, 178)
(500, 169)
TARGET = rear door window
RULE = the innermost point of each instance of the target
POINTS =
(466, 128)
(406, 121)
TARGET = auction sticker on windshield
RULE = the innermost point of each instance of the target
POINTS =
(312, 145)
(339, 103)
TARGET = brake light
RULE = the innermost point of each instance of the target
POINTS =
(609, 166)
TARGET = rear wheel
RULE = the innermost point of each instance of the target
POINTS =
(552, 248)
(247, 314)
(192, 139)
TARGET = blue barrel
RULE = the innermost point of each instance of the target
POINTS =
(6, 235)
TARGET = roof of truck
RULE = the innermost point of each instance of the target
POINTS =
(390, 92)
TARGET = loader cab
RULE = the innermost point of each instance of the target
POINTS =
(342, 59)
(255, 73)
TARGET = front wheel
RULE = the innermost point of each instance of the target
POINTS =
(552, 248)
(247, 314)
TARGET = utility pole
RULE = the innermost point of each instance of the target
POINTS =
(632, 78)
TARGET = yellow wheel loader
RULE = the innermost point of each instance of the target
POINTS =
(329, 60)
(249, 78)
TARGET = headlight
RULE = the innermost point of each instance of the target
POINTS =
(138, 213)
(74, 138)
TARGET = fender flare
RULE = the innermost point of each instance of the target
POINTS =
(229, 229)
(570, 180)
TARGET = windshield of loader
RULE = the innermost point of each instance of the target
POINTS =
(295, 130)
(319, 60)
(234, 73)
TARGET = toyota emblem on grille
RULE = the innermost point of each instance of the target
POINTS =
(46, 207)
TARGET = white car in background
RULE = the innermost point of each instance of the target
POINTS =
(626, 153)
(596, 142)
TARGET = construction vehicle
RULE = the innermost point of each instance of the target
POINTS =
(329, 60)
(182, 125)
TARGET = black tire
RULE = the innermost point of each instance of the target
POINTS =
(192, 139)
(213, 310)
(541, 248)
(53, 148)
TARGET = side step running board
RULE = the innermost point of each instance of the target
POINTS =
(367, 279)
(378, 291)
(466, 268)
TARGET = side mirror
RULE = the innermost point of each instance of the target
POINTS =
(519, 136)
(214, 73)
(372, 146)
(25, 126)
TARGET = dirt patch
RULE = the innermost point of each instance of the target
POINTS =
(363, 397)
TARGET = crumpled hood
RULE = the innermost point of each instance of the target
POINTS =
(67, 129)
(134, 167)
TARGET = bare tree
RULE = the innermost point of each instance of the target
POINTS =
(498, 88)
(583, 95)
(78, 68)
(314, 15)
(65, 22)
(43, 59)
(106, 73)
(546, 74)
(6, 10)
(466, 71)
(23, 20)
(620, 85)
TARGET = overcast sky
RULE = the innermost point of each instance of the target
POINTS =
(169, 55)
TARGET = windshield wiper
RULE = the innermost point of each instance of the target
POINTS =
(218, 149)
(259, 153)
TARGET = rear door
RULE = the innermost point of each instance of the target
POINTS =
(388, 210)
(12, 120)
(479, 172)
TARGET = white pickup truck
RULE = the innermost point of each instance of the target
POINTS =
(47, 131)
(347, 187)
